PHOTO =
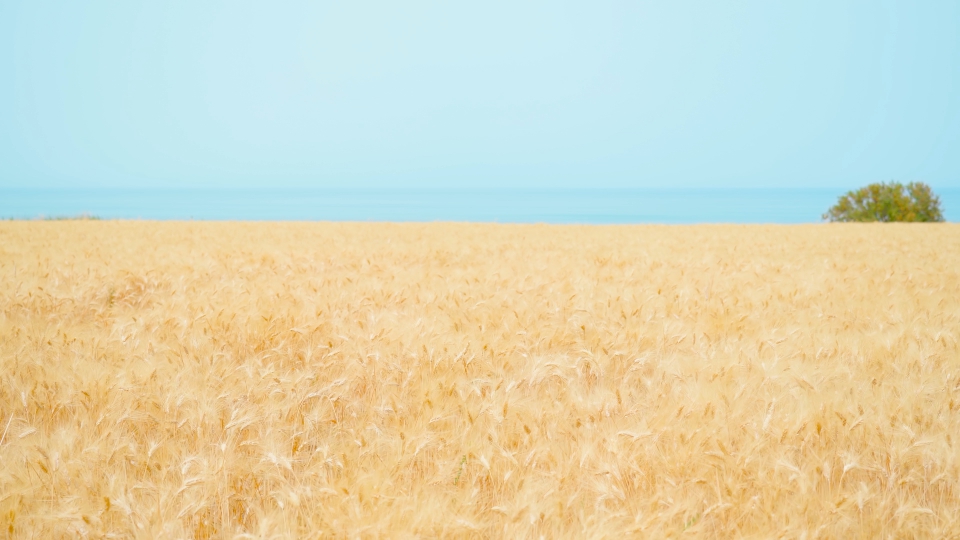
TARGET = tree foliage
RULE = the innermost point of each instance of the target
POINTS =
(887, 202)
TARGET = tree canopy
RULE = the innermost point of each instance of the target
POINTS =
(887, 202)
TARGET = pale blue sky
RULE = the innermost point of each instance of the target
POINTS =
(482, 94)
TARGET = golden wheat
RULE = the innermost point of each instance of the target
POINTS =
(284, 380)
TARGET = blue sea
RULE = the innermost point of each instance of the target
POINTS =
(600, 206)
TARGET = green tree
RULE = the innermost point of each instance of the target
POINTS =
(887, 202)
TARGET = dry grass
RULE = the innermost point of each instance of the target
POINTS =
(218, 380)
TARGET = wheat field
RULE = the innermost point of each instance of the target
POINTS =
(320, 380)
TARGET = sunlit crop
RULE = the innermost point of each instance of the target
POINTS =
(284, 380)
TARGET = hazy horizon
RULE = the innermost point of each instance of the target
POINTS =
(452, 204)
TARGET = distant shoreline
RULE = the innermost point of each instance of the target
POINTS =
(596, 206)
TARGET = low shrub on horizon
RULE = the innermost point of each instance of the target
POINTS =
(887, 202)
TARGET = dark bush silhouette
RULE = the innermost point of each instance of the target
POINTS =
(887, 202)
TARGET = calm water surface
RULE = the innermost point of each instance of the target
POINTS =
(504, 206)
